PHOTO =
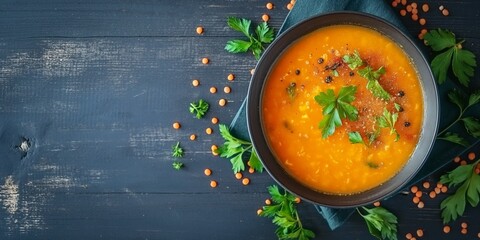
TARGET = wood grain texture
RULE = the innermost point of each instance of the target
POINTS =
(93, 88)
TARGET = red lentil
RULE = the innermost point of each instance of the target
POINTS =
(416, 200)
(445, 12)
(205, 60)
(213, 90)
(464, 231)
(464, 225)
(421, 204)
(230, 77)
(471, 156)
(222, 102)
(414, 17)
(176, 125)
(414, 189)
(214, 120)
(297, 200)
(403, 12)
(207, 172)
(251, 170)
(444, 189)
(437, 190)
(265, 17)
(409, 8)
(420, 232)
(432, 194)
(227, 89)
(208, 131)
(213, 184)
(456, 159)
(408, 236)
(195, 82)
(259, 211)
(415, 11)
(376, 204)
(463, 162)
(426, 185)
(446, 229)
(269, 6)
(289, 6)
(441, 7)
(419, 194)
(193, 137)
(404, 2)
(394, 4)
(425, 7)
(238, 175)
(414, 5)
(214, 149)
(199, 30)
(422, 21)
(268, 201)
(252, 71)
(245, 181)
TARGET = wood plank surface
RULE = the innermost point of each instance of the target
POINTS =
(92, 88)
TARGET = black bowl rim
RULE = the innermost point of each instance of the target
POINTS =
(430, 119)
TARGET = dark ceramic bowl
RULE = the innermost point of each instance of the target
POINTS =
(256, 128)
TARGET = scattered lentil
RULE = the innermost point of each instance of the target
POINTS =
(422, 21)
(207, 172)
(432, 194)
(252, 71)
(464, 231)
(444, 189)
(446, 229)
(419, 194)
(471, 156)
(251, 170)
(213, 184)
(403, 12)
(441, 7)
(199, 30)
(464, 225)
(289, 6)
(420, 232)
(408, 236)
(445, 12)
(414, 5)
(227, 89)
(457, 159)
(213, 90)
(176, 125)
(421, 204)
(245, 181)
(265, 17)
(268, 201)
(297, 200)
(193, 137)
(238, 175)
(394, 4)
(214, 148)
(259, 211)
(426, 185)
(222, 102)
(439, 184)
(195, 82)
(205, 60)
(416, 199)
(269, 6)
(415, 11)
(214, 120)
(208, 131)
(414, 189)
(376, 204)
(425, 7)
(404, 2)
(463, 162)
(230, 77)
(437, 190)
(414, 17)
(409, 8)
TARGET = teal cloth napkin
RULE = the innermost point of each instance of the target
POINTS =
(442, 152)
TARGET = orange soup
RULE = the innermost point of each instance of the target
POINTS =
(357, 82)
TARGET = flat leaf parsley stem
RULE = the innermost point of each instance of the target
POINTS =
(459, 118)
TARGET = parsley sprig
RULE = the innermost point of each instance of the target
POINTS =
(199, 108)
(471, 124)
(177, 151)
(469, 191)
(263, 35)
(336, 108)
(177, 165)
(373, 84)
(234, 148)
(452, 54)
(353, 60)
(381, 223)
(388, 120)
(284, 214)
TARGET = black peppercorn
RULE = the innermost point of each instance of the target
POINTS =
(320, 60)
(400, 93)
(297, 72)
(351, 73)
(328, 79)
(400, 109)
(406, 124)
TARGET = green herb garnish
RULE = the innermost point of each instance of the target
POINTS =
(292, 90)
(177, 165)
(452, 54)
(381, 223)
(263, 35)
(199, 108)
(284, 214)
(355, 137)
(234, 148)
(388, 120)
(373, 85)
(469, 191)
(336, 108)
(353, 60)
(177, 151)
(471, 124)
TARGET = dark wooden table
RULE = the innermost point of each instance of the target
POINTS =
(92, 89)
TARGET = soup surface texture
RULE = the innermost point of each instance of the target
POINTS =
(381, 128)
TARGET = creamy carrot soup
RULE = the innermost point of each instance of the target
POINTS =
(361, 83)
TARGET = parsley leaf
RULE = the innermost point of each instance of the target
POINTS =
(355, 137)
(284, 214)
(462, 61)
(234, 148)
(336, 108)
(469, 191)
(177, 151)
(472, 125)
(199, 108)
(263, 35)
(373, 84)
(388, 120)
(454, 138)
(381, 223)
(353, 60)
(177, 165)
